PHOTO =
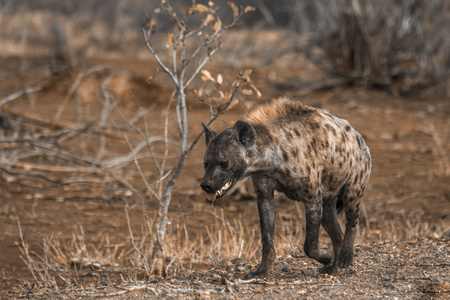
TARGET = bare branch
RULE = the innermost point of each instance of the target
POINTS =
(220, 110)
(143, 257)
(28, 260)
(19, 93)
(211, 52)
(112, 163)
(74, 87)
(158, 60)
(216, 35)
(138, 166)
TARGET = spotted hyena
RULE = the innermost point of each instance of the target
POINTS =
(305, 153)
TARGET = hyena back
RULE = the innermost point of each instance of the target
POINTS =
(305, 153)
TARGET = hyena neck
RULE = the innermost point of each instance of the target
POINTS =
(262, 159)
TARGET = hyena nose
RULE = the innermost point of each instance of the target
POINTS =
(206, 187)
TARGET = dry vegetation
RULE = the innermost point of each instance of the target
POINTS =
(89, 136)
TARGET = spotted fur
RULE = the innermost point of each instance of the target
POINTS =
(304, 152)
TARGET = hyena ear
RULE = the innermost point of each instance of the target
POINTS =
(209, 134)
(246, 133)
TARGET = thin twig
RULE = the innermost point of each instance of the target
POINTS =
(133, 243)
(220, 111)
(29, 261)
(74, 87)
(114, 162)
(202, 64)
(158, 60)
(138, 166)
(19, 93)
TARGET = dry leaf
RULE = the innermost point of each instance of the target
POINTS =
(206, 76)
(158, 10)
(188, 10)
(169, 38)
(153, 23)
(247, 72)
(150, 79)
(210, 3)
(200, 92)
(247, 92)
(217, 26)
(219, 79)
(249, 8)
(258, 93)
(208, 19)
(246, 75)
(200, 8)
(234, 8)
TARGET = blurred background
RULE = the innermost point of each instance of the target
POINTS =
(401, 46)
(88, 127)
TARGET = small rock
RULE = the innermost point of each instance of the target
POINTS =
(285, 269)
(238, 261)
(216, 277)
(240, 269)
(446, 236)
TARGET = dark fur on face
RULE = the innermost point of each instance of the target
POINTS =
(224, 161)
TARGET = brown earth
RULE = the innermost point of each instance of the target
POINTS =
(402, 251)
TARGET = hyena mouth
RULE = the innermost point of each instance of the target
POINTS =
(212, 196)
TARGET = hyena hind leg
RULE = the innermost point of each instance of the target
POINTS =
(351, 207)
(331, 225)
(313, 213)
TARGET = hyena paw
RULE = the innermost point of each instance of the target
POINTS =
(259, 273)
(330, 269)
(345, 258)
(325, 259)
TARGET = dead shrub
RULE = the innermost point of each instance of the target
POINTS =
(396, 45)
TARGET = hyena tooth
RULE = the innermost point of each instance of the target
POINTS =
(214, 196)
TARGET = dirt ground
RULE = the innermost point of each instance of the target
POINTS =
(405, 270)
(402, 252)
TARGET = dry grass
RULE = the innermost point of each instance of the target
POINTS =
(187, 249)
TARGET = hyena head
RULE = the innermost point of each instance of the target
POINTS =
(225, 160)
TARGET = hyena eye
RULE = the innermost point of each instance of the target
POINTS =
(224, 164)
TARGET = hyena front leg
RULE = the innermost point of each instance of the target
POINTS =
(264, 188)
(313, 214)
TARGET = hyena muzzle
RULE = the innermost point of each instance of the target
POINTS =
(305, 153)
